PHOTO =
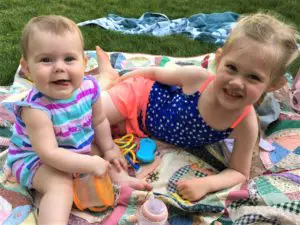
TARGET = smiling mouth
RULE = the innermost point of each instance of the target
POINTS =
(232, 94)
(61, 82)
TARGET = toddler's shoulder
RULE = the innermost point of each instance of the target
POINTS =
(250, 123)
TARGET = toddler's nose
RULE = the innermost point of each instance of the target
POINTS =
(237, 81)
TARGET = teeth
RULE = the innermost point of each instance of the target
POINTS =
(233, 94)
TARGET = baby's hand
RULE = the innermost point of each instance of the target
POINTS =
(99, 166)
(192, 189)
(115, 157)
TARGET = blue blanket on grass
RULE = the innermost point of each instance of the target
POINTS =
(213, 28)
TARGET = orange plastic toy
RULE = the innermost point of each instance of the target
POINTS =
(93, 193)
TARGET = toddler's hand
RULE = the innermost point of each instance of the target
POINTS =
(115, 157)
(192, 189)
(99, 166)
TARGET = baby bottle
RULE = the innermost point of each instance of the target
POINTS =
(152, 212)
(93, 193)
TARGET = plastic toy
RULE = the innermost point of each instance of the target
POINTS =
(145, 154)
(127, 145)
(152, 212)
(93, 193)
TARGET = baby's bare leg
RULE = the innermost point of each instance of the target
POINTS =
(56, 189)
(122, 177)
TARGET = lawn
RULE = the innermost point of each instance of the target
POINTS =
(15, 13)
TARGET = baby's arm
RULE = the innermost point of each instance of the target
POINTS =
(103, 137)
(43, 140)
(187, 77)
(245, 135)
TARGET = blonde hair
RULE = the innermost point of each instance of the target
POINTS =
(268, 29)
(55, 24)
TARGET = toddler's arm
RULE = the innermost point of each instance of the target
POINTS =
(196, 188)
(245, 138)
(43, 140)
(187, 77)
(245, 135)
(103, 137)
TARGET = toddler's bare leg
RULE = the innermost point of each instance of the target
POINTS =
(56, 189)
(112, 113)
(107, 75)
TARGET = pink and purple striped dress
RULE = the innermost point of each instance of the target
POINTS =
(72, 124)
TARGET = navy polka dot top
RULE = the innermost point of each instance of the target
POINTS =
(173, 117)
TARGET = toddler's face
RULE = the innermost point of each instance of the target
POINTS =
(243, 73)
(55, 63)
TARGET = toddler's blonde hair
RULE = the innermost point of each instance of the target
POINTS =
(55, 24)
(268, 29)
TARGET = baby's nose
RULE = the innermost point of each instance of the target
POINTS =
(59, 66)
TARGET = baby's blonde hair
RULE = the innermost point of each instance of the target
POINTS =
(268, 29)
(55, 24)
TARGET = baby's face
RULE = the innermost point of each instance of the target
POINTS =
(55, 63)
(243, 73)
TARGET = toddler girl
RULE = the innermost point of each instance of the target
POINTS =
(190, 107)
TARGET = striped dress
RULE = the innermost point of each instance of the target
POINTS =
(72, 124)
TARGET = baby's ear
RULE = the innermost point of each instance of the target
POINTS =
(279, 84)
(24, 67)
(85, 60)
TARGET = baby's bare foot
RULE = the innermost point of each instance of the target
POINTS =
(132, 182)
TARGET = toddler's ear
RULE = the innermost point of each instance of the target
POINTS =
(218, 55)
(279, 84)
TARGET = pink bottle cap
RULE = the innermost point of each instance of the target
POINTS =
(155, 210)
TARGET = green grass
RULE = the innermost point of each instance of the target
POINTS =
(14, 14)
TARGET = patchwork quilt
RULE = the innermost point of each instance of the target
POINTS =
(270, 196)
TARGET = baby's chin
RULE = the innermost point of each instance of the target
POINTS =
(59, 96)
